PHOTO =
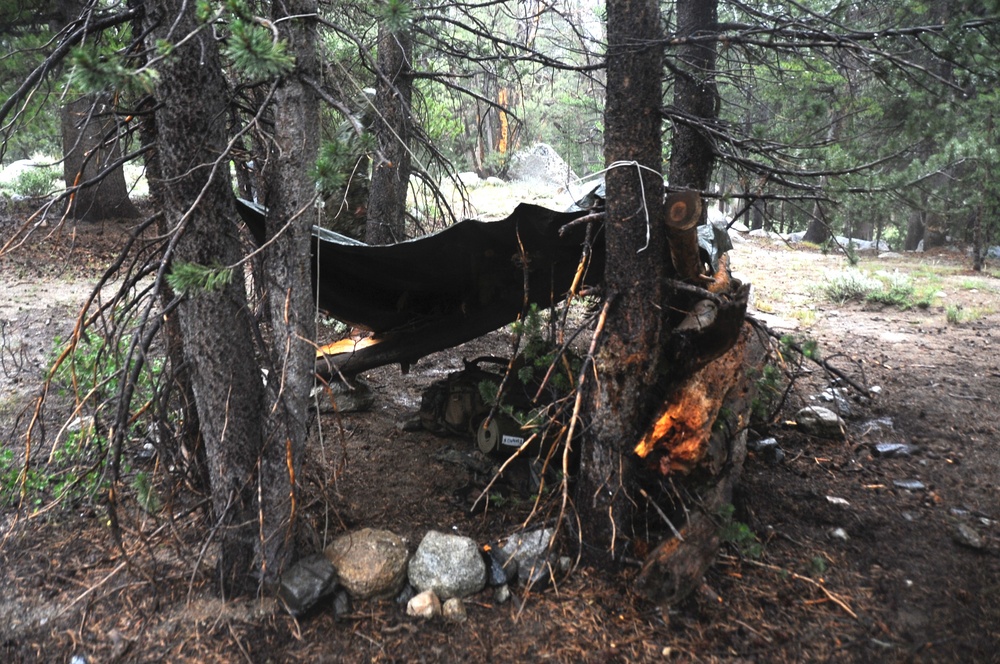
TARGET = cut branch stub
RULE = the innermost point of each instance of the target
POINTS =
(683, 213)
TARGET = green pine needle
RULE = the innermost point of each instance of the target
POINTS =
(191, 277)
(254, 51)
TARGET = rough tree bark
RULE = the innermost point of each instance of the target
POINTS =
(692, 155)
(628, 361)
(391, 171)
(818, 230)
(197, 202)
(90, 145)
(669, 365)
(287, 274)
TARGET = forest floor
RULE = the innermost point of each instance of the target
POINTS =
(841, 563)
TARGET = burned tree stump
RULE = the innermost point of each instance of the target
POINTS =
(698, 440)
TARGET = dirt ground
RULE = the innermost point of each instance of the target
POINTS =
(852, 567)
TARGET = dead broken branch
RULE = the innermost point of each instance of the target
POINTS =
(786, 572)
(798, 349)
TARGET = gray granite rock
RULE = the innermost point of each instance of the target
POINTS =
(527, 556)
(450, 565)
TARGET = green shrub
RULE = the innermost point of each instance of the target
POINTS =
(850, 285)
(738, 534)
(35, 182)
(895, 290)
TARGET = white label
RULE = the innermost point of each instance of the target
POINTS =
(511, 441)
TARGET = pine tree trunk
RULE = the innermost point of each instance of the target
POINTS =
(391, 170)
(90, 145)
(692, 155)
(663, 373)
(216, 326)
(287, 275)
(818, 230)
(914, 230)
(627, 362)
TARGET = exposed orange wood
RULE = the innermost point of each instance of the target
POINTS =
(503, 143)
(345, 346)
(679, 437)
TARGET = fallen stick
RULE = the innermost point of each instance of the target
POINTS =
(797, 348)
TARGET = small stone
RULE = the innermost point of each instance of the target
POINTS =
(338, 397)
(535, 573)
(526, 557)
(821, 422)
(81, 423)
(763, 443)
(496, 575)
(529, 545)
(450, 565)
(410, 424)
(909, 485)
(839, 533)
(341, 604)
(424, 605)
(306, 582)
(146, 453)
(835, 395)
(834, 500)
(454, 610)
(890, 450)
(502, 594)
(966, 535)
(405, 595)
(768, 450)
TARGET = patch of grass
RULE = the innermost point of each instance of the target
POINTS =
(897, 290)
(889, 288)
(850, 285)
(807, 317)
(969, 284)
(74, 472)
(764, 303)
(956, 314)
(76, 469)
(770, 384)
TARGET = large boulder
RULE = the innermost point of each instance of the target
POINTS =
(540, 164)
(450, 565)
(370, 563)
